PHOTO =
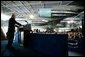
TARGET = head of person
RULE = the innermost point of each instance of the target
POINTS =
(13, 15)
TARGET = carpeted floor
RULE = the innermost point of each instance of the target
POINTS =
(21, 51)
(18, 50)
(72, 53)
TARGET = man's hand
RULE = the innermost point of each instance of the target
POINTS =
(16, 25)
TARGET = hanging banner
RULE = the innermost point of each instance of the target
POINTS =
(44, 12)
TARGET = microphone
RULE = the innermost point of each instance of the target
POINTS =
(26, 21)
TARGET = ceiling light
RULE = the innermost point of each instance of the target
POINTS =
(31, 16)
(71, 21)
(45, 20)
(80, 26)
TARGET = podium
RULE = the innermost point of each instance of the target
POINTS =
(26, 32)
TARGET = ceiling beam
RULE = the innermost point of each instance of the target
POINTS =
(65, 7)
(79, 14)
(69, 2)
(61, 3)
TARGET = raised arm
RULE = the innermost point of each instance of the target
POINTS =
(18, 23)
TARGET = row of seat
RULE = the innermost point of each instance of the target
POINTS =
(77, 45)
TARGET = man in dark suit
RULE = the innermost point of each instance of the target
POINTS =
(11, 30)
